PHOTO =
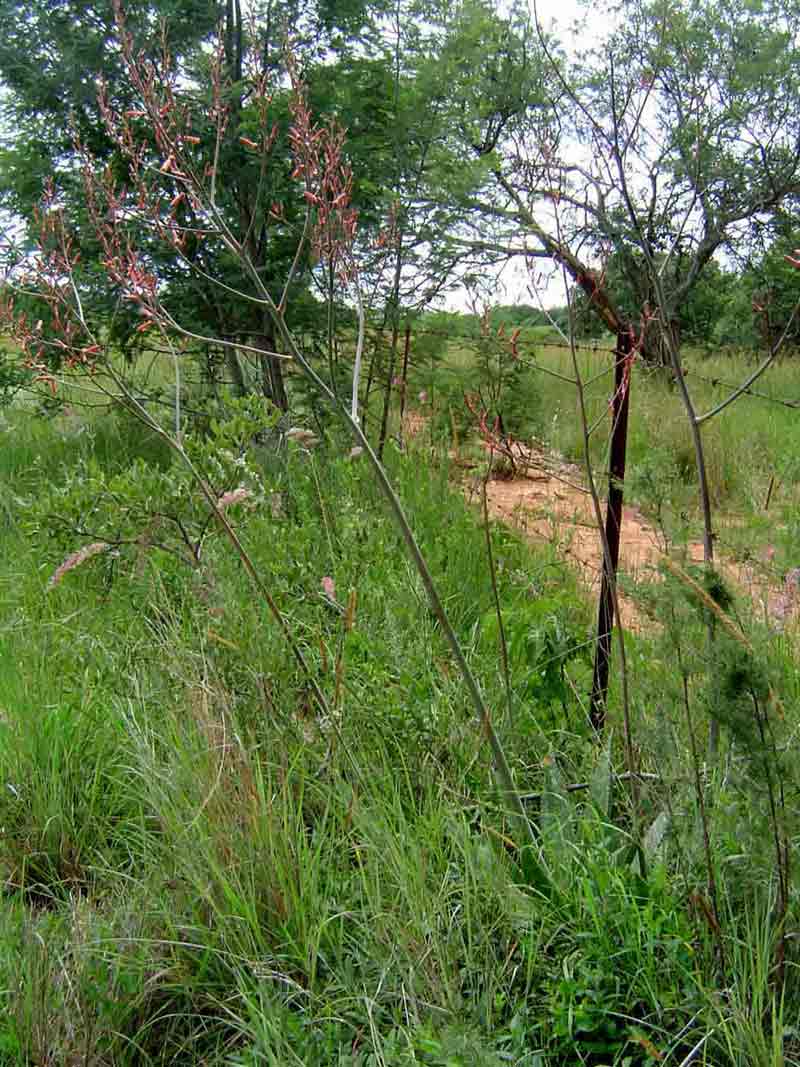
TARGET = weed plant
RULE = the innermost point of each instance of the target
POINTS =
(199, 868)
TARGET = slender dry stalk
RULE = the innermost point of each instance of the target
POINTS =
(777, 807)
(716, 926)
(359, 349)
(76, 559)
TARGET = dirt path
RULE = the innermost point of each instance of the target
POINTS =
(547, 500)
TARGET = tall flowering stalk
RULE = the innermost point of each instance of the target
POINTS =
(327, 178)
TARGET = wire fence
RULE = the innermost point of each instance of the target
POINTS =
(378, 343)
(596, 347)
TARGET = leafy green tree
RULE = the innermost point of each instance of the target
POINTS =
(61, 123)
(770, 286)
(396, 113)
(676, 137)
(697, 318)
(51, 57)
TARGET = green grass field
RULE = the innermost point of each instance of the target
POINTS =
(200, 868)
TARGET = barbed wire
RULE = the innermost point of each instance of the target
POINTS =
(595, 347)
(475, 341)
(755, 393)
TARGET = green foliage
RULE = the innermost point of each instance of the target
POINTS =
(543, 634)
(201, 867)
(771, 286)
(495, 382)
(13, 377)
(228, 877)
(143, 507)
(655, 481)
(608, 1014)
(68, 802)
(619, 938)
(58, 110)
(699, 316)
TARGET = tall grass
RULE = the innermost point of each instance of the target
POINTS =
(200, 869)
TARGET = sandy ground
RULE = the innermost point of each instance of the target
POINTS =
(546, 498)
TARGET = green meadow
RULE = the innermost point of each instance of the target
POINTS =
(200, 867)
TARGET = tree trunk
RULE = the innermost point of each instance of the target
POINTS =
(387, 396)
(404, 378)
(234, 368)
(374, 364)
(605, 614)
(272, 383)
(395, 306)
(656, 346)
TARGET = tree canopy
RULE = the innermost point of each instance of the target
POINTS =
(474, 136)
(676, 137)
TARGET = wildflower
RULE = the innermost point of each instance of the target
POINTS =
(301, 436)
(76, 559)
(786, 601)
(233, 496)
(328, 587)
(513, 342)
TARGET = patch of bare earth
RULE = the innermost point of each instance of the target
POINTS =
(547, 500)
(414, 423)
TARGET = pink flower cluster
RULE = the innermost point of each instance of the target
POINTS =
(76, 559)
(328, 178)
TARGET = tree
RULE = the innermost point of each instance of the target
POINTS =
(51, 56)
(678, 136)
(697, 318)
(64, 125)
(769, 297)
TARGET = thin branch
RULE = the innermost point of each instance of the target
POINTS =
(765, 365)
(501, 630)
(359, 349)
